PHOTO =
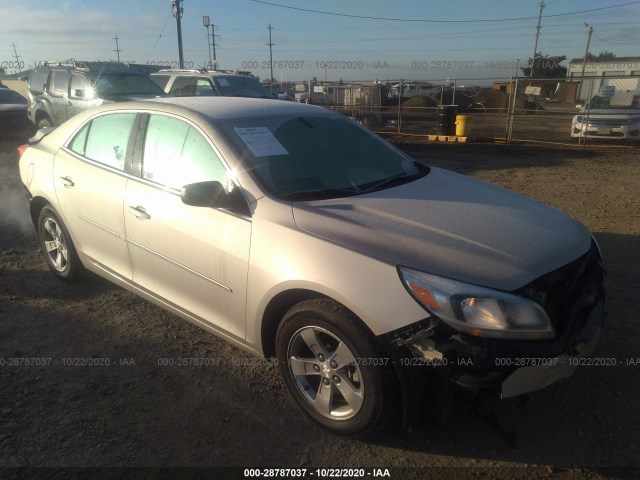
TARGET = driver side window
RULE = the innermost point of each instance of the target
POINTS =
(79, 86)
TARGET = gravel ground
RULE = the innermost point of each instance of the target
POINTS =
(136, 412)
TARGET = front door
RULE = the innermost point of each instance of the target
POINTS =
(194, 257)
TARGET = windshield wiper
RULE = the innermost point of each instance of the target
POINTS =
(320, 194)
(393, 180)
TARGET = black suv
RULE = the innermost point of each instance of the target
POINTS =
(58, 91)
(208, 83)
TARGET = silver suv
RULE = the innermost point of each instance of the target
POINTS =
(58, 91)
(209, 83)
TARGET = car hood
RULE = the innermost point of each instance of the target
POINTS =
(451, 225)
(612, 112)
(12, 107)
(125, 98)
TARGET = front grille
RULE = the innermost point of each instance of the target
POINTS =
(569, 293)
(607, 122)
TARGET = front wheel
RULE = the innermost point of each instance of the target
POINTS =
(334, 368)
(57, 246)
(44, 122)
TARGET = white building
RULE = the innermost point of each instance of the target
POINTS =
(599, 73)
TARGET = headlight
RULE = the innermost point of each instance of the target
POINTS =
(478, 311)
(578, 119)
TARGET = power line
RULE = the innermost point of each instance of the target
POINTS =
(162, 31)
(365, 17)
(611, 42)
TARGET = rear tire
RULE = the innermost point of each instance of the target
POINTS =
(335, 369)
(58, 249)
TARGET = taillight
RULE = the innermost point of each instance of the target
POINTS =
(22, 149)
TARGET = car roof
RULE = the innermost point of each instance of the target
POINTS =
(200, 73)
(221, 108)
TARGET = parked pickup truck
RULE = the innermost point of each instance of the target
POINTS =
(58, 91)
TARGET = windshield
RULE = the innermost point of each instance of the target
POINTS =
(618, 101)
(109, 84)
(240, 86)
(316, 157)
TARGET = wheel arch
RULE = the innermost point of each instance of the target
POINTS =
(44, 110)
(275, 310)
(35, 207)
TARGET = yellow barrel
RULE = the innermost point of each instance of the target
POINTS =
(463, 125)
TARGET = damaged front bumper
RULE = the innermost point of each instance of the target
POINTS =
(433, 360)
(546, 371)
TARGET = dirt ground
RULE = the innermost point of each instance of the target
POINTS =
(139, 412)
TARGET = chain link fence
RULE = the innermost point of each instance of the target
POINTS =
(577, 111)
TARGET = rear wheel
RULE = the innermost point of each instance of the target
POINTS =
(334, 368)
(58, 249)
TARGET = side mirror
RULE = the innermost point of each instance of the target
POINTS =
(213, 195)
(78, 93)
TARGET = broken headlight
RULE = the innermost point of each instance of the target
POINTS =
(478, 311)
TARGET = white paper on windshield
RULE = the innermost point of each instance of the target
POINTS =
(260, 141)
(223, 81)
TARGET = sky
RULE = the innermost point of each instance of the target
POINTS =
(404, 39)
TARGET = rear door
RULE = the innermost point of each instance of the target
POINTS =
(194, 257)
(90, 175)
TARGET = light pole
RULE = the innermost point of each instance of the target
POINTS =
(206, 23)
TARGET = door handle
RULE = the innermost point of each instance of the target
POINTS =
(68, 183)
(140, 212)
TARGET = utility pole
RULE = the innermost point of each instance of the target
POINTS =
(586, 50)
(117, 50)
(270, 57)
(15, 54)
(584, 60)
(176, 8)
(535, 45)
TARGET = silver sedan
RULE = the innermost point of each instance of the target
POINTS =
(381, 285)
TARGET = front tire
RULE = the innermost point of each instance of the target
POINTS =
(335, 369)
(58, 249)
(44, 122)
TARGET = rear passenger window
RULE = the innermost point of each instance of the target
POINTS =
(184, 87)
(160, 80)
(105, 139)
(79, 142)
